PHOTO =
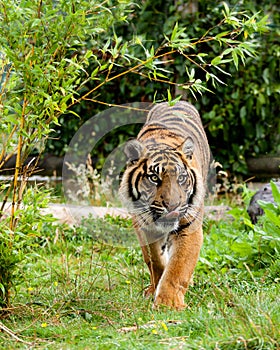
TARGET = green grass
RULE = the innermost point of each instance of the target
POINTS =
(83, 290)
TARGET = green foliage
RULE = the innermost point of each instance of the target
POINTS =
(43, 55)
(194, 52)
(271, 223)
(86, 291)
(241, 119)
(20, 245)
(240, 243)
(9, 259)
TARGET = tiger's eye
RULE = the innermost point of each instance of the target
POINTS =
(182, 178)
(153, 178)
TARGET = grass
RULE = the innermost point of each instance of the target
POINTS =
(82, 289)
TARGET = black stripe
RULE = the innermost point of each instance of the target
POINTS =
(131, 174)
(194, 188)
(169, 133)
(187, 125)
(152, 127)
(144, 164)
(173, 159)
(130, 186)
(138, 177)
(159, 158)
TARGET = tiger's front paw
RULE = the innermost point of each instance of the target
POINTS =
(172, 299)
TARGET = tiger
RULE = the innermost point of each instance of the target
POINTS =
(163, 187)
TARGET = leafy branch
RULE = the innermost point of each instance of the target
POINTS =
(179, 45)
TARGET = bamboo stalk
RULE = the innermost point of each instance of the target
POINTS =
(18, 166)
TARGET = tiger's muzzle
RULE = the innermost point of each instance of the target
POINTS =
(167, 219)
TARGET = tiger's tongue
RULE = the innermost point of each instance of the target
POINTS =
(172, 215)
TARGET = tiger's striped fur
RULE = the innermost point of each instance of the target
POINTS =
(164, 187)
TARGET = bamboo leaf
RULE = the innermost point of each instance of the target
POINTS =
(275, 192)
(227, 12)
(235, 59)
(174, 32)
(215, 61)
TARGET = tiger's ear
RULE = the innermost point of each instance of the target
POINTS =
(188, 147)
(133, 150)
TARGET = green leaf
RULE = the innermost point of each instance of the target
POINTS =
(220, 35)
(227, 51)
(268, 207)
(88, 54)
(242, 248)
(248, 223)
(174, 32)
(214, 77)
(169, 96)
(227, 12)
(215, 61)
(274, 218)
(171, 101)
(275, 192)
(235, 59)
(243, 113)
(222, 70)
(95, 71)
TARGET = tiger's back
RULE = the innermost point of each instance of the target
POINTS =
(164, 187)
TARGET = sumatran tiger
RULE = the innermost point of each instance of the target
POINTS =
(163, 187)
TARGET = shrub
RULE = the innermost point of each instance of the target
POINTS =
(231, 246)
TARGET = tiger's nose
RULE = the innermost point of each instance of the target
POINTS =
(171, 206)
(174, 214)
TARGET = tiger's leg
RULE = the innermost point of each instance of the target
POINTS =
(155, 260)
(183, 256)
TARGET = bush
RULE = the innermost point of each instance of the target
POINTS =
(231, 246)
(20, 244)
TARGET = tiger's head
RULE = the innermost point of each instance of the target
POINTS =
(161, 186)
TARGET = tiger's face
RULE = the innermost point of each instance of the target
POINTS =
(159, 189)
